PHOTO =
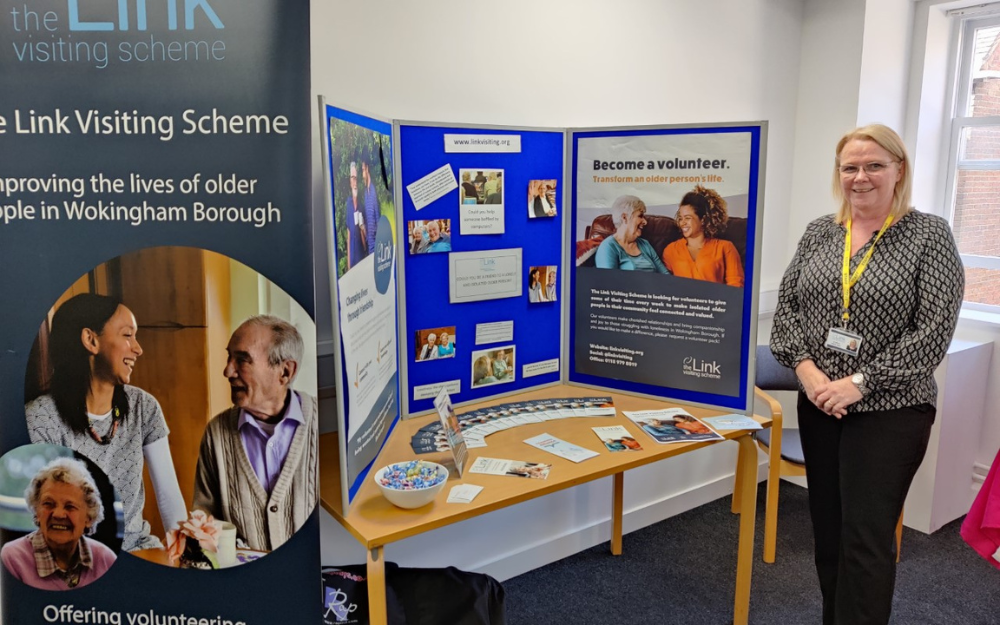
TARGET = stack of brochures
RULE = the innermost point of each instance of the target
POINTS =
(478, 424)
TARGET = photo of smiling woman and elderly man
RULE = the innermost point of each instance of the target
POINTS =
(429, 236)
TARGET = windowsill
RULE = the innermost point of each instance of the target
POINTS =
(979, 316)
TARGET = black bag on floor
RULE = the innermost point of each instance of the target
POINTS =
(415, 596)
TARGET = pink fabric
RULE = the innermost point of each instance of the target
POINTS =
(981, 528)
(19, 558)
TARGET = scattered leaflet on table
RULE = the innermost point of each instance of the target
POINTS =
(672, 425)
(463, 493)
(561, 448)
(617, 438)
(732, 422)
(516, 468)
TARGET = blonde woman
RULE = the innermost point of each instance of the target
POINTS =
(865, 414)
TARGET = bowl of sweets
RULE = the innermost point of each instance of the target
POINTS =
(411, 484)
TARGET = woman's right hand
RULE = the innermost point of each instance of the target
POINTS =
(811, 377)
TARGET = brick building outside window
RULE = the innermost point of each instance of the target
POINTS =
(974, 181)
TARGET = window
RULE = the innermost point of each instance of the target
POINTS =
(974, 180)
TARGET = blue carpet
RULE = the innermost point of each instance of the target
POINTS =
(683, 571)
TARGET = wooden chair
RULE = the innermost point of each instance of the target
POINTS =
(783, 447)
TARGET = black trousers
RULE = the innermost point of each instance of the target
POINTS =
(859, 470)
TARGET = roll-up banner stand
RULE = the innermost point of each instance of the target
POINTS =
(155, 195)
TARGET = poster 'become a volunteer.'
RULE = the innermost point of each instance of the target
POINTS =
(664, 225)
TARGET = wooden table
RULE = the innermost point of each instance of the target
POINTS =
(375, 522)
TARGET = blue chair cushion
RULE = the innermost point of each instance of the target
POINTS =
(791, 444)
(770, 375)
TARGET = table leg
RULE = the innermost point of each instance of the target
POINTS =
(617, 486)
(735, 506)
(376, 587)
(747, 470)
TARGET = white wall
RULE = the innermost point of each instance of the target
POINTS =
(588, 63)
(832, 36)
(928, 104)
(885, 53)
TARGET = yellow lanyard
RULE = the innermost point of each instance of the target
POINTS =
(848, 280)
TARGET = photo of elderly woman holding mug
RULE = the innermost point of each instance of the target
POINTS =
(700, 254)
(65, 504)
(888, 278)
(91, 408)
(625, 249)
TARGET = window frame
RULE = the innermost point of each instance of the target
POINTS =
(965, 51)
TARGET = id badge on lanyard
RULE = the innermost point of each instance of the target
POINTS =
(841, 339)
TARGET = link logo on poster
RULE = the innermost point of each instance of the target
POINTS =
(77, 33)
(702, 368)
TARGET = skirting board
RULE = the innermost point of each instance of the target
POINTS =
(339, 547)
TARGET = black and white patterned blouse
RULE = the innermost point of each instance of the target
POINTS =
(905, 307)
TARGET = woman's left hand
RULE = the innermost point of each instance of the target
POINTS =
(834, 398)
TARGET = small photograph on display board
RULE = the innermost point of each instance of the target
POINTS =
(542, 284)
(542, 198)
(493, 366)
(429, 236)
(481, 186)
(481, 200)
(434, 343)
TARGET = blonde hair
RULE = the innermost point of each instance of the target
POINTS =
(891, 142)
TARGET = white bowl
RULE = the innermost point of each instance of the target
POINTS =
(416, 497)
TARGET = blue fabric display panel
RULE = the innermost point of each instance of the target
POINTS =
(427, 307)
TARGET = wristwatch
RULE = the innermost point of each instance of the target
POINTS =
(859, 381)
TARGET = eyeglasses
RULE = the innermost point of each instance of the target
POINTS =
(870, 168)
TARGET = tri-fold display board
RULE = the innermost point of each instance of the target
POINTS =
(489, 260)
